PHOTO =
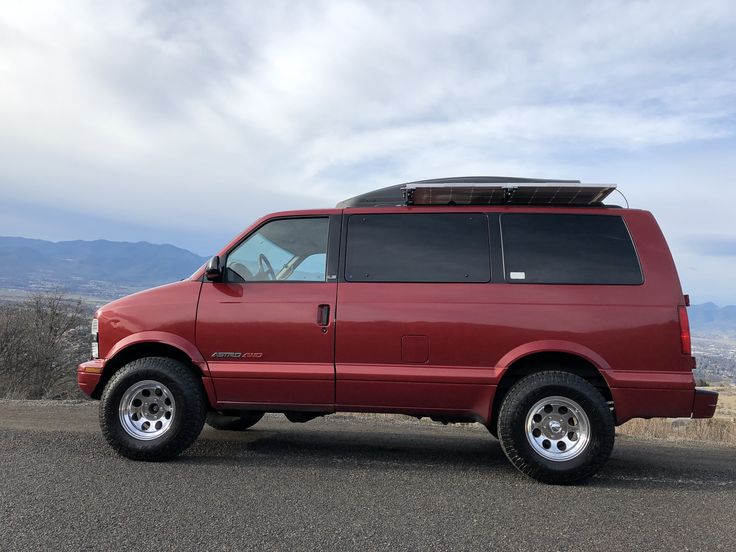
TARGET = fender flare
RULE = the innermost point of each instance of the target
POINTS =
(555, 346)
(164, 338)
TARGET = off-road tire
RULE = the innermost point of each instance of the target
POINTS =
(493, 428)
(186, 423)
(244, 421)
(512, 427)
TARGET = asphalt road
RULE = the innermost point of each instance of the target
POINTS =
(346, 483)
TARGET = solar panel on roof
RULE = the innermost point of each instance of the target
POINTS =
(484, 190)
(481, 194)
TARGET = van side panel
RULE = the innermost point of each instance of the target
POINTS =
(453, 319)
(470, 329)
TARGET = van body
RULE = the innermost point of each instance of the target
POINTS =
(434, 309)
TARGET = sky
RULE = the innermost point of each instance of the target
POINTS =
(183, 121)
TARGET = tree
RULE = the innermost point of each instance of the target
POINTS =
(42, 339)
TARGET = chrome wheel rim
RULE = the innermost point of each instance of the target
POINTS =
(557, 428)
(147, 410)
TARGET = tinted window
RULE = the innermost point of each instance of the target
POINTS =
(418, 248)
(568, 249)
(287, 249)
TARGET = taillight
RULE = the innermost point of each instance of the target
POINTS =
(684, 331)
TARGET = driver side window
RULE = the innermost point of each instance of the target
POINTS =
(281, 250)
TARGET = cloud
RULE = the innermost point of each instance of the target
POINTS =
(169, 113)
(715, 246)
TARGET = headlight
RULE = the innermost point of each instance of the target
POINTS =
(95, 338)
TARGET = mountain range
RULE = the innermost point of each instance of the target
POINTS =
(101, 268)
(709, 317)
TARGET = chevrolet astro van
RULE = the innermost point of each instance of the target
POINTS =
(526, 305)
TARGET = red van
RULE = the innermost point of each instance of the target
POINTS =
(526, 305)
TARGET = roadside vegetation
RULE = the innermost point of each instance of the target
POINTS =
(42, 339)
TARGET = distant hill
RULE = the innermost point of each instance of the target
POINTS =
(100, 268)
(709, 317)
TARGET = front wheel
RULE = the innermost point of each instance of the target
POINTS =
(556, 427)
(152, 409)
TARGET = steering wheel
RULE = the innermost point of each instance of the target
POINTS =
(264, 265)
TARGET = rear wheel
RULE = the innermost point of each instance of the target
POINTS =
(152, 409)
(245, 420)
(556, 427)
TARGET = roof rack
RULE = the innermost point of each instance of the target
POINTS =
(484, 190)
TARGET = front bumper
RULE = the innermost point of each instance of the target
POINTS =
(89, 374)
(704, 403)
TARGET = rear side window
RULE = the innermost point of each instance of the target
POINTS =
(418, 248)
(568, 249)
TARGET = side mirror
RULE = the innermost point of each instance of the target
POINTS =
(213, 270)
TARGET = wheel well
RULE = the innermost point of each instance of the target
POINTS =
(539, 362)
(141, 350)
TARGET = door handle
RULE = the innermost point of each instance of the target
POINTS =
(323, 315)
